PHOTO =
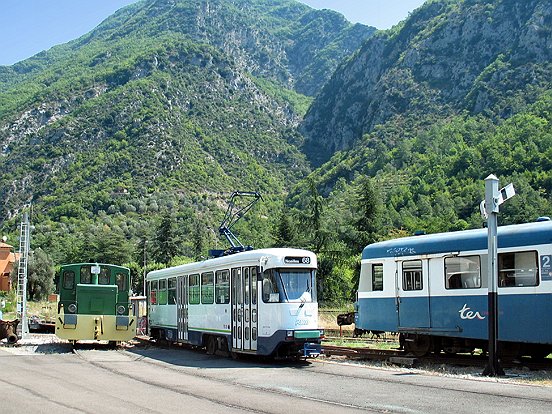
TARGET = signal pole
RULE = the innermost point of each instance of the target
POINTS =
(489, 209)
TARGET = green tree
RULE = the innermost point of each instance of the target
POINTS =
(285, 233)
(40, 275)
(367, 218)
(314, 215)
(166, 240)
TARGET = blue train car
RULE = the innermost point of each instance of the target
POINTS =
(432, 290)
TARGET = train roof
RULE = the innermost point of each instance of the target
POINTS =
(527, 234)
(94, 264)
(249, 255)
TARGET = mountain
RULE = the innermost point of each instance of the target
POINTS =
(489, 57)
(427, 110)
(167, 105)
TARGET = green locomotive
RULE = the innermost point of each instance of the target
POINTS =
(94, 303)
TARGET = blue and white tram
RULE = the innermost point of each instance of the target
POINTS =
(432, 290)
(260, 302)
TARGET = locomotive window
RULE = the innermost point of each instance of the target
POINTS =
(153, 292)
(518, 269)
(377, 277)
(193, 292)
(207, 287)
(271, 292)
(412, 275)
(222, 286)
(85, 275)
(68, 279)
(121, 282)
(162, 293)
(172, 291)
(103, 277)
(462, 272)
(237, 286)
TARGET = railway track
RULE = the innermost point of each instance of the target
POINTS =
(402, 358)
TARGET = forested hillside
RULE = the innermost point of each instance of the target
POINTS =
(156, 116)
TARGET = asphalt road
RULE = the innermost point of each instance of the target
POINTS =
(154, 380)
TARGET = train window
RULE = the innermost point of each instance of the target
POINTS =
(237, 286)
(222, 286)
(271, 292)
(412, 275)
(246, 285)
(518, 269)
(377, 277)
(85, 275)
(207, 287)
(153, 292)
(254, 285)
(462, 272)
(121, 282)
(162, 292)
(171, 297)
(103, 277)
(296, 284)
(193, 291)
(68, 279)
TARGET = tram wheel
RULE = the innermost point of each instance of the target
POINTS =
(211, 345)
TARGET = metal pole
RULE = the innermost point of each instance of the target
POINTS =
(493, 367)
(145, 262)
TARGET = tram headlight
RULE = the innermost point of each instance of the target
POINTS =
(289, 334)
(321, 333)
(120, 309)
(72, 308)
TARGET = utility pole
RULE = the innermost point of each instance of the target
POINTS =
(489, 210)
(145, 264)
(24, 244)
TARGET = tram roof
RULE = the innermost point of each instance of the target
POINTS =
(460, 241)
(248, 255)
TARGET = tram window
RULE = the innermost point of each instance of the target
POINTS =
(222, 286)
(377, 277)
(462, 272)
(121, 282)
(171, 297)
(153, 292)
(254, 285)
(271, 293)
(246, 285)
(412, 275)
(193, 292)
(103, 277)
(162, 293)
(69, 280)
(237, 286)
(85, 275)
(518, 269)
(207, 287)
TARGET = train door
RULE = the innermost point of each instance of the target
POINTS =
(237, 309)
(413, 293)
(246, 279)
(182, 308)
(254, 310)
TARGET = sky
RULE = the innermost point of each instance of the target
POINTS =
(28, 27)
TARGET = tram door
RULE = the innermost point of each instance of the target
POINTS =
(244, 308)
(182, 307)
(237, 309)
(413, 293)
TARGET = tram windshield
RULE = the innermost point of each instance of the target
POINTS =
(289, 285)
